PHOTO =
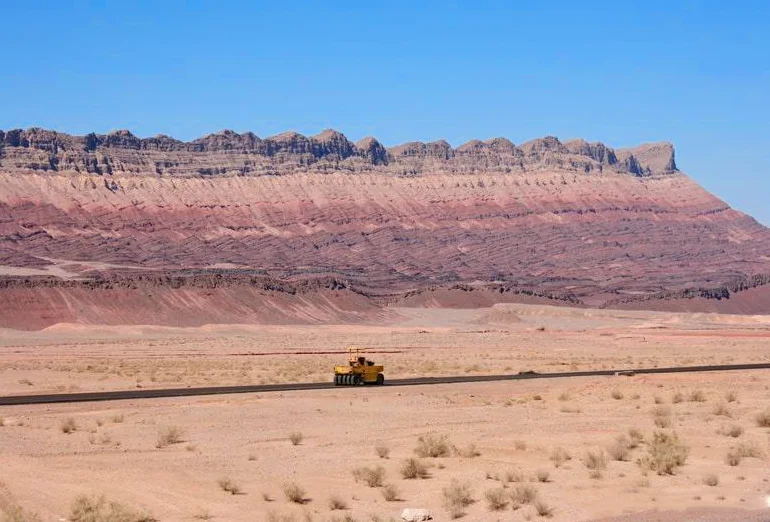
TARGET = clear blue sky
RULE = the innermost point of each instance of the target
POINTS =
(694, 73)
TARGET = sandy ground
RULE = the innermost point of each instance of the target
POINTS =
(517, 428)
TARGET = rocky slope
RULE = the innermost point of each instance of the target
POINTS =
(578, 222)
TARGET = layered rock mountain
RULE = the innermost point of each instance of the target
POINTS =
(572, 222)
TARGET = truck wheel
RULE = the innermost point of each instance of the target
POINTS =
(380, 379)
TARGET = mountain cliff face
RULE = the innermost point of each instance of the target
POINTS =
(576, 222)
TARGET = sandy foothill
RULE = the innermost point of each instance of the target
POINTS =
(555, 441)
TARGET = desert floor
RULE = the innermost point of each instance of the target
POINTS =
(553, 439)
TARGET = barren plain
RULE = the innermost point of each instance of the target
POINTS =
(578, 449)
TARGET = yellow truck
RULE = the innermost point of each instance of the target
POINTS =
(359, 370)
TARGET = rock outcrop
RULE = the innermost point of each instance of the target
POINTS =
(575, 222)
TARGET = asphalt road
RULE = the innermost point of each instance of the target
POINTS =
(419, 381)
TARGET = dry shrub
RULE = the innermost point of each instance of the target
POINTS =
(520, 445)
(543, 509)
(662, 416)
(169, 435)
(734, 431)
(658, 399)
(711, 480)
(542, 475)
(391, 493)
(559, 456)
(635, 438)
(617, 395)
(15, 513)
(731, 396)
(564, 396)
(117, 418)
(373, 477)
(229, 485)
(432, 446)
(382, 451)
(677, 398)
(467, 452)
(620, 450)
(513, 476)
(413, 468)
(69, 425)
(456, 497)
(749, 450)
(294, 493)
(733, 458)
(595, 460)
(337, 503)
(296, 438)
(665, 453)
(763, 419)
(497, 499)
(697, 396)
(523, 494)
(97, 509)
(721, 409)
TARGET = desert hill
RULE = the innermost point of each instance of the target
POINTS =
(571, 222)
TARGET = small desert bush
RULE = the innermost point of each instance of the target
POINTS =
(564, 396)
(296, 438)
(467, 452)
(2, 421)
(711, 480)
(17, 514)
(733, 458)
(97, 509)
(520, 445)
(68, 425)
(432, 446)
(413, 468)
(677, 398)
(523, 494)
(117, 418)
(372, 477)
(620, 450)
(731, 396)
(697, 396)
(229, 485)
(721, 409)
(665, 453)
(497, 499)
(635, 438)
(734, 431)
(169, 435)
(658, 399)
(336, 502)
(382, 451)
(763, 419)
(662, 416)
(595, 459)
(542, 475)
(294, 493)
(617, 395)
(513, 476)
(749, 450)
(391, 493)
(543, 509)
(559, 456)
(456, 497)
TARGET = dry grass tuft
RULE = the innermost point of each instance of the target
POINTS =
(635, 438)
(763, 419)
(520, 445)
(69, 425)
(227, 484)
(372, 477)
(617, 395)
(391, 493)
(731, 396)
(734, 431)
(497, 499)
(595, 460)
(432, 446)
(662, 416)
(677, 398)
(665, 453)
(97, 509)
(382, 451)
(733, 458)
(413, 468)
(559, 456)
(620, 450)
(169, 435)
(711, 480)
(543, 509)
(542, 475)
(721, 409)
(337, 503)
(456, 497)
(697, 396)
(468, 452)
(15, 513)
(294, 493)
(296, 438)
(522, 494)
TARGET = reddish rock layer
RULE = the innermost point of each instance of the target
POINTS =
(576, 221)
